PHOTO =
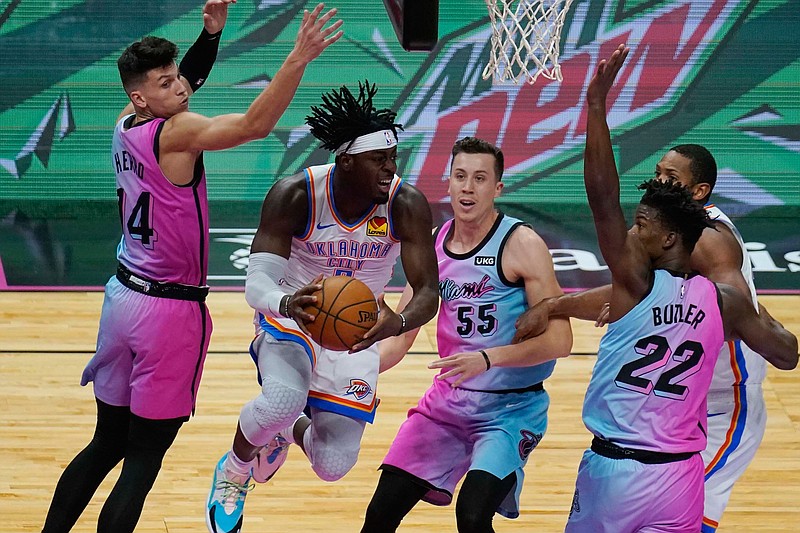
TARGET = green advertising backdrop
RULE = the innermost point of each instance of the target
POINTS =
(725, 74)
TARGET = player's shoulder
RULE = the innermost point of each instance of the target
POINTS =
(182, 119)
(718, 239)
(409, 193)
(289, 194)
(522, 235)
(409, 202)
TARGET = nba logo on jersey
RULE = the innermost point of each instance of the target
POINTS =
(377, 227)
(358, 388)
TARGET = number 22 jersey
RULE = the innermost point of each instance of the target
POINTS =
(654, 367)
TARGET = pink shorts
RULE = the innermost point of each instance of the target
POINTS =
(626, 496)
(150, 353)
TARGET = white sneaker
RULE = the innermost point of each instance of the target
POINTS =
(225, 508)
(270, 458)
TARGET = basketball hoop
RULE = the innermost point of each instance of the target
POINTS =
(525, 39)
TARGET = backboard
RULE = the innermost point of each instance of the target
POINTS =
(416, 23)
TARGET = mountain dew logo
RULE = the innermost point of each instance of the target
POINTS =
(719, 72)
(539, 126)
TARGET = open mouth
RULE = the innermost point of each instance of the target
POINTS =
(466, 202)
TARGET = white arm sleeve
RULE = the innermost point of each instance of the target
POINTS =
(262, 290)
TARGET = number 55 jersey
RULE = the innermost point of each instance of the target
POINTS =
(479, 306)
(654, 367)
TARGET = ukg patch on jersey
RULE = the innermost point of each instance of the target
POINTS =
(378, 227)
(484, 260)
(358, 388)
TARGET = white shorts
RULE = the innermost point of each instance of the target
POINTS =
(737, 418)
(341, 382)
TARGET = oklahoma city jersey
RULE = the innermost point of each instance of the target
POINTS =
(654, 366)
(737, 363)
(480, 306)
(366, 249)
(164, 226)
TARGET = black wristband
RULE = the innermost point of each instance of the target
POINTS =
(486, 358)
(284, 307)
(199, 58)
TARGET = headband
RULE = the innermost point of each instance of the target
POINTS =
(378, 140)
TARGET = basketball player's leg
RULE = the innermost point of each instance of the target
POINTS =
(284, 366)
(332, 443)
(285, 370)
(736, 423)
(396, 494)
(166, 372)
(480, 496)
(109, 370)
(83, 475)
(504, 437)
(428, 457)
(147, 444)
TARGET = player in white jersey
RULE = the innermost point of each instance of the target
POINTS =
(351, 217)
(154, 326)
(736, 410)
(487, 409)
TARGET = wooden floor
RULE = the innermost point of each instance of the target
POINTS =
(46, 417)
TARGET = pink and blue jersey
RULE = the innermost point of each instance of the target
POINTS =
(654, 368)
(164, 226)
(479, 306)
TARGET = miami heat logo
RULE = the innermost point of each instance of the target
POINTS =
(358, 388)
(527, 443)
(377, 227)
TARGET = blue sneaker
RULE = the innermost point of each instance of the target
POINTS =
(270, 458)
(226, 500)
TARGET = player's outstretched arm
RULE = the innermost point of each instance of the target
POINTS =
(191, 132)
(599, 168)
(623, 252)
(583, 305)
(525, 258)
(760, 331)
(413, 224)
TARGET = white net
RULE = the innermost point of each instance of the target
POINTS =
(525, 39)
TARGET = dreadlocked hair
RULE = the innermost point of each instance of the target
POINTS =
(677, 210)
(342, 117)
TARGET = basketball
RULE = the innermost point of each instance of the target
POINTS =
(344, 311)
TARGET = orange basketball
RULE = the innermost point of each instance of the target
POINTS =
(345, 310)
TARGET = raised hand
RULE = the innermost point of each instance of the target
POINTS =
(215, 14)
(605, 75)
(313, 37)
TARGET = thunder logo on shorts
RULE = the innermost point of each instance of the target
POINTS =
(358, 388)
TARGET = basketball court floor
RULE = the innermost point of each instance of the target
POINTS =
(46, 417)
